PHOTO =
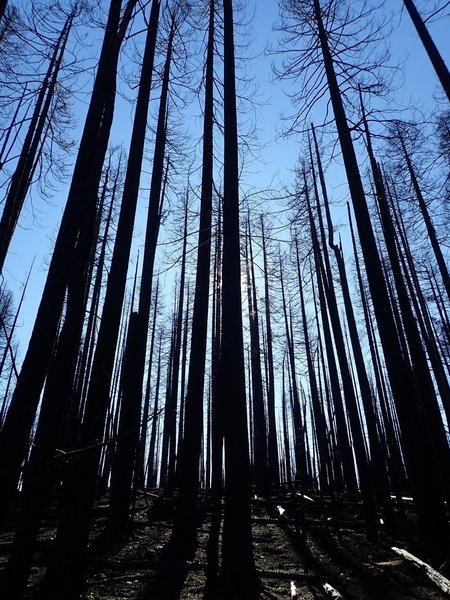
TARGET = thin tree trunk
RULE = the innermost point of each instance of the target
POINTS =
(170, 485)
(430, 47)
(260, 464)
(64, 575)
(22, 176)
(427, 219)
(378, 467)
(432, 516)
(152, 463)
(299, 428)
(237, 548)
(272, 426)
(325, 471)
(184, 530)
(79, 213)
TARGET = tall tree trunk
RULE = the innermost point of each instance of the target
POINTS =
(152, 462)
(427, 219)
(272, 426)
(430, 411)
(79, 214)
(175, 375)
(325, 471)
(433, 53)
(420, 307)
(365, 476)
(148, 388)
(299, 427)
(217, 419)
(432, 516)
(44, 468)
(287, 450)
(237, 548)
(22, 176)
(184, 529)
(341, 425)
(395, 464)
(260, 465)
(64, 574)
(378, 467)
(169, 423)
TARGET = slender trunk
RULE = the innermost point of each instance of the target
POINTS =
(79, 213)
(272, 426)
(299, 428)
(380, 480)
(64, 575)
(170, 485)
(287, 451)
(22, 176)
(260, 465)
(124, 459)
(184, 530)
(237, 548)
(433, 53)
(341, 425)
(427, 219)
(146, 410)
(431, 512)
(325, 472)
(151, 465)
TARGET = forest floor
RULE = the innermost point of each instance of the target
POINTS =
(303, 548)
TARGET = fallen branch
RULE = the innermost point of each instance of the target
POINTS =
(305, 497)
(153, 565)
(289, 575)
(329, 589)
(442, 582)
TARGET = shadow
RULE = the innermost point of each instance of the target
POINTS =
(165, 585)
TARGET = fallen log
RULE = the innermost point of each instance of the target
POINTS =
(442, 582)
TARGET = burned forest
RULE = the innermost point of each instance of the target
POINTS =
(224, 299)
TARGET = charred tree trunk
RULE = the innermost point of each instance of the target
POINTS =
(146, 410)
(325, 470)
(341, 425)
(124, 459)
(79, 214)
(272, 426)
(22, 176)
(237, 547)
(432, 516)
(260, 466)
(378, 467)
(431, 419)
(152, 462)
(430, 47)
(427, 219)
(184, 530)
(299, 427)
(170, 484)
(64, 574)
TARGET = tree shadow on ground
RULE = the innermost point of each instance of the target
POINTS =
(165, 585)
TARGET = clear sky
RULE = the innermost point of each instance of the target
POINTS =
(38, 225)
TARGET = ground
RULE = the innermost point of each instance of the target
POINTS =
(301, 547)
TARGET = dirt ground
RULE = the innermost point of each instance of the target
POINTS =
(301, 547)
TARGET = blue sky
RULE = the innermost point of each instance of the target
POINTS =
(38, 225)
